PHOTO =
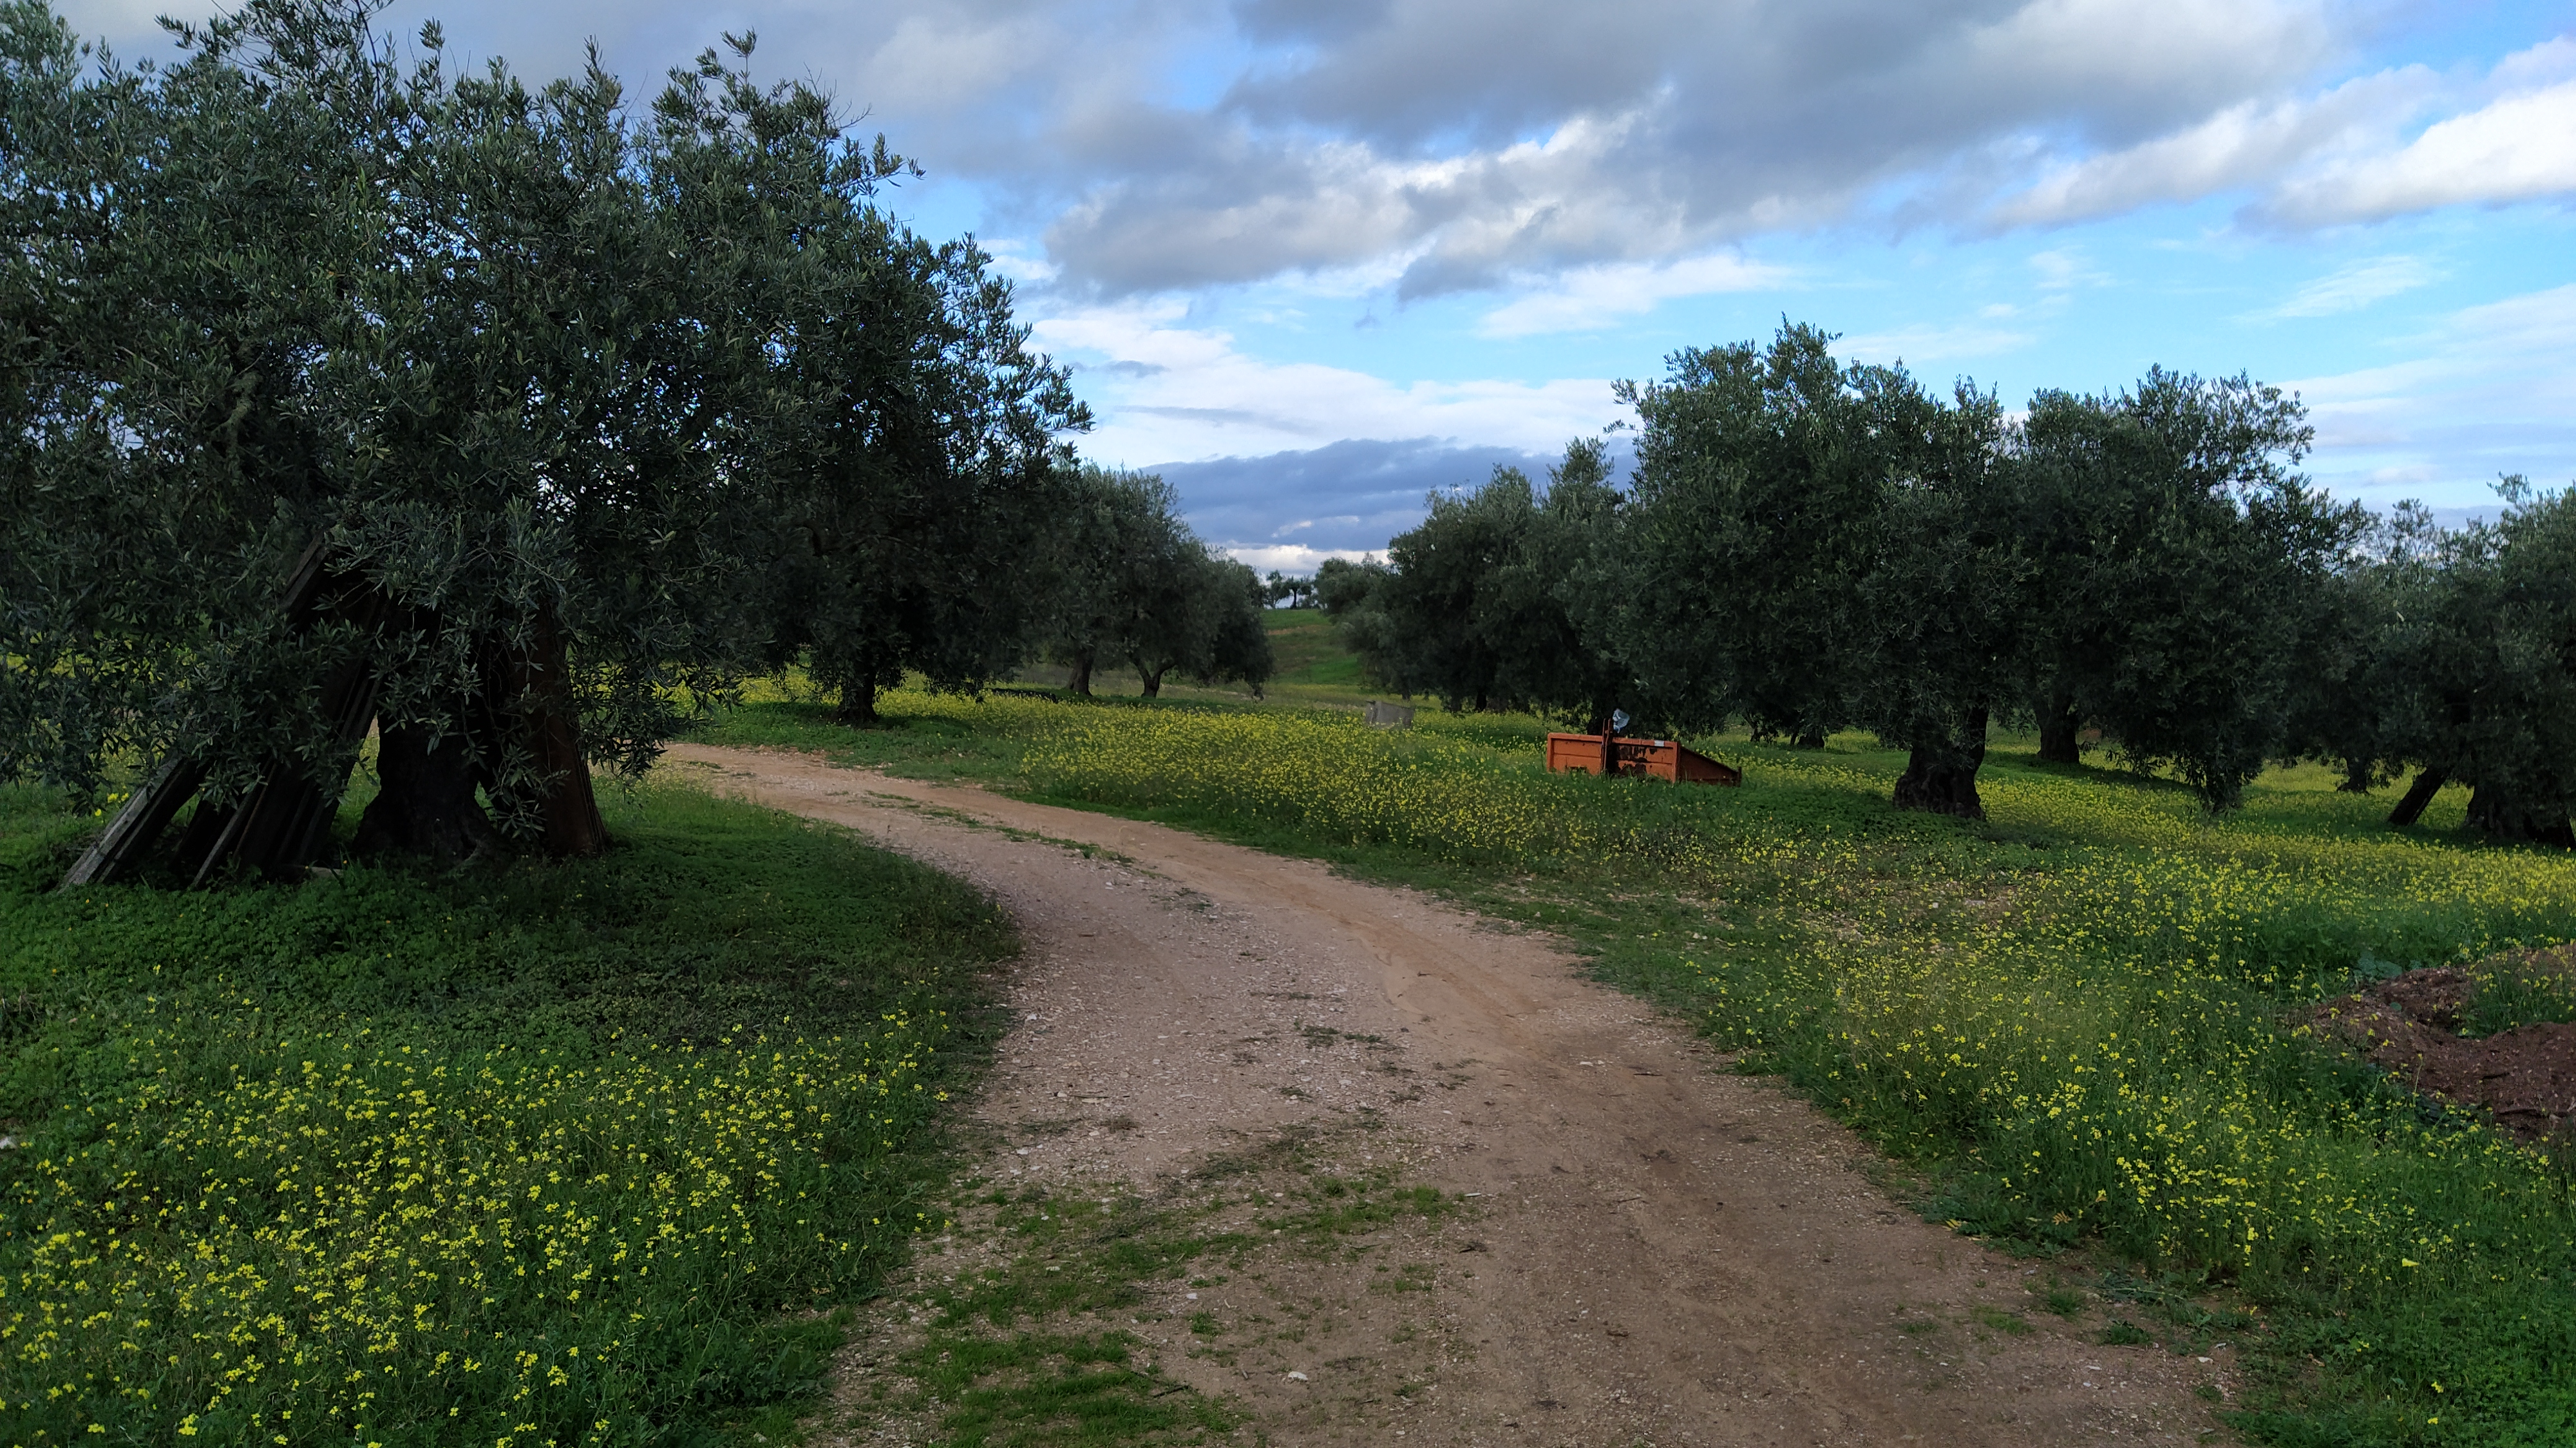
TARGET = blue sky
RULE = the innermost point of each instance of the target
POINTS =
(1313, 259)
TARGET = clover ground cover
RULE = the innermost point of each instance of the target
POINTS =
(570, 1154)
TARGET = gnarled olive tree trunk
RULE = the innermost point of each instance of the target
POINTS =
(282, 823)
(545, 718)
(2428, 783)
(2060, 728)
(2505, 815)
(433, 780)
(517, 743)
(425, 801)
(1941, 772)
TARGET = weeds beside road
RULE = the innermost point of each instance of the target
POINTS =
(574, 1150)
(574, 1153)
(2075, 1018)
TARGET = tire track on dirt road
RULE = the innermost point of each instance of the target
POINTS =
(1668, 1252)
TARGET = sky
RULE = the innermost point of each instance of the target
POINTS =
(1312, 260)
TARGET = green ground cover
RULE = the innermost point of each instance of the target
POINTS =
(1030, 1344)
(2079, 1022)
(517, 1155)
(1312, 668)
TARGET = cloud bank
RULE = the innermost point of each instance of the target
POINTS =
(1291, 510)
(1621, 148)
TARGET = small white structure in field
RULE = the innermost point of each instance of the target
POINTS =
(1389, 716)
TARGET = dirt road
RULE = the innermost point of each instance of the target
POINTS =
(1665, 1252)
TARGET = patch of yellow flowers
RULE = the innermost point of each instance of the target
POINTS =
(344, 1234)
(2106, 1026)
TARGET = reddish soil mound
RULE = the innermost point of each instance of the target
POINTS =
(2525, 1078)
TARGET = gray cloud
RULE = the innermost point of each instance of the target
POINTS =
(1347, 497)
(1477, 139)
(1458, 144)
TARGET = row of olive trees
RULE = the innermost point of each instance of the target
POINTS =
(344, 391)
(1131, 583)
(2454, 655)
(1102, 570)
(1809, 546)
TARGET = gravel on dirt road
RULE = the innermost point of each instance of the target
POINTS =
(1663, 1251)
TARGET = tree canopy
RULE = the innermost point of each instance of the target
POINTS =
(351, 391)
(1815, 545)
(2461, 663)
(1494, 600)
(1807, 545)
(1131, 583)
(2183, 569)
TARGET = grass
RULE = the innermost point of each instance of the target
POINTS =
(2060, 1301)
(2010, 1324)
(1021, 1329)
(578, 1153)
(2520, 991)
(2079, 1020)
(1311, 669)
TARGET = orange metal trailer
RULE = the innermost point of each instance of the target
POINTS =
(1657, 758)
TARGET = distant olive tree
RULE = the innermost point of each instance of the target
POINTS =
(1289, 591)
(1133, 584)
(2357, 702)
(925, 468)
(1498, 598)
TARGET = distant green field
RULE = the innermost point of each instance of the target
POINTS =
(1313, 668)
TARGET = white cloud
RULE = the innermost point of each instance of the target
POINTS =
(1596, 297)
(948, 58)
(1488, 142)
(2516, 148)
(1014, 259)
(1167, 391)
(2490, 390)
(2242, 145)
(2062, 269)
(2353, 287)
(1290, 558)
(2345, 154)
(1243, 206)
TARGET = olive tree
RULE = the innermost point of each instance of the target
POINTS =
(2182, 566)
(1758, 484)
(1944, 595)
(1498, 598)
(355, 393)
(2471, 672)
(923, 476)
(1133, 583)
